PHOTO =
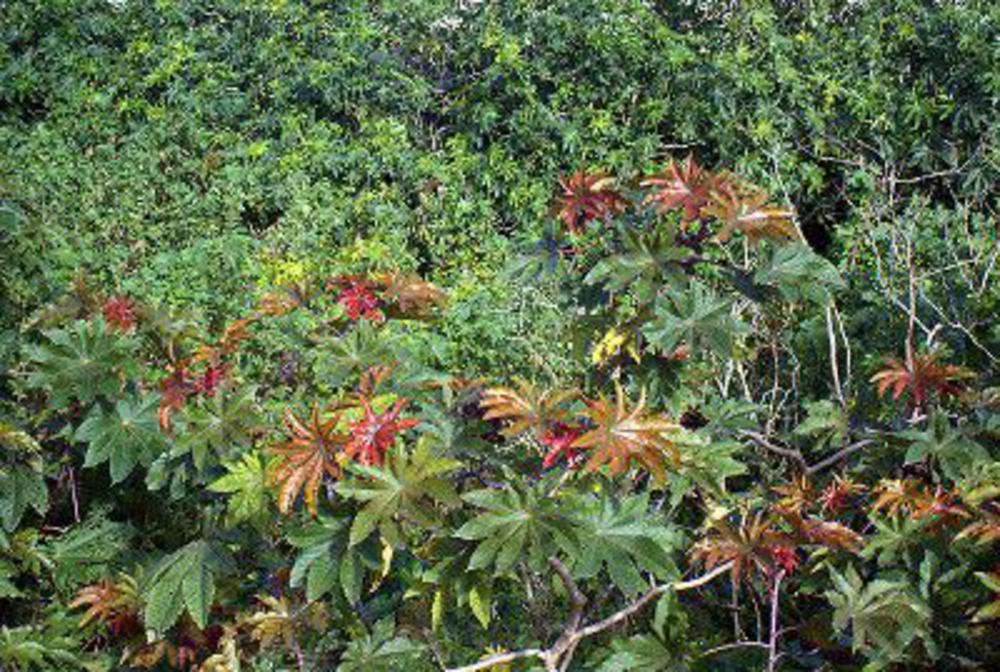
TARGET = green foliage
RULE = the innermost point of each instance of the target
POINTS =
(380, 651)
(407, 488)
(326, 561)
(22, 479)
(87, 552)
(623, 539)
(883, 614)
(952, 449)
(695, 317)
(643, 653)
(125, 436)
(825, 423)
(21, 488)
(649, 257)
(209, 181)
(517, 525)
(799, 274)
(83, 362)
(246, 484)
(220, 426)
(184, 580)
(27, 648)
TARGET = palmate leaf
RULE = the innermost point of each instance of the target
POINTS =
(86, 552)
(326, 561)
(893, 539)
(185, 579)
(21, 488)
(927, 378)
(696, 318)
(584, 197)
(920, 501)
(681, 186)
(526, 408)
(409, 486)
(826, 422)
(312, 451)
(383, 651)
(352, 354)
(705, 463)
(374, 433)
(799, 274)
(744, 208)
(750, 545)
(649, 259)
(126, 436)
(450, 581)
(114, 603)
(885, 615)
(246, 484)
(956, 453)
(621, 436)
(517, 524)
(22, 483)
(621, 537)
(83, 362)
(217, 429)
(642, 653)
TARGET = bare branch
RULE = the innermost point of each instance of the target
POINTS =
(764, 442)
(731, 646)
(651, 595)
(838, 456)
(772, 647)
(499, 659)
(562, 650)
(797, 457)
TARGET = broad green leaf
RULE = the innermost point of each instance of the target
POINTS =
(218, 429)
(622, 537)
(409, 486)
(247, 487)
(517, 523)
(694, 317)
(185, 579)
(83, 362)
(799, 274)
(21, 488)
(124, 437)
(381, 651)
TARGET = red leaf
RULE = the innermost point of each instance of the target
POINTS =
(559, 440)
(119, 313)
(927, 377)
(683, 186)
(375, 433)
(584, 197)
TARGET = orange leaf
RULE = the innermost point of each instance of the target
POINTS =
(526, 407)
(680, 186)
(743, 208)
(927, 377)
(586, 197)
(313, 451)
(623, 436)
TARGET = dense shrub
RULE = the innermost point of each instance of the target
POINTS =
(396, 335)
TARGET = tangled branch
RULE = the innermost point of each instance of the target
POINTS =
(557, 657)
